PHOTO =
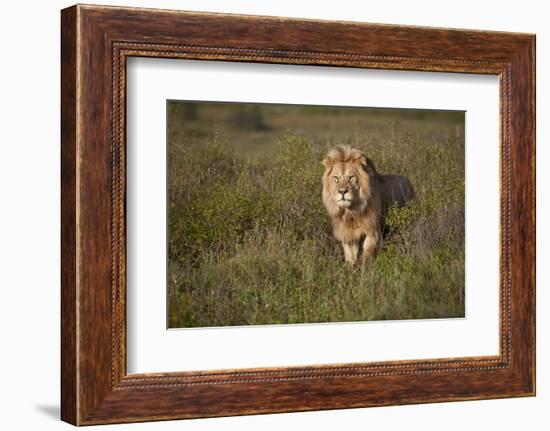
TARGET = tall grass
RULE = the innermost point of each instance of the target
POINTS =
(250, 242)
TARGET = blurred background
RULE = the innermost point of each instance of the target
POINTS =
(253, 129)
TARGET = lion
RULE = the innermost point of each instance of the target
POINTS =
(357, 199)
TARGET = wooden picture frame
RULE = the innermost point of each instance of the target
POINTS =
(95, 43)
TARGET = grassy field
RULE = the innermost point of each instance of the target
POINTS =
(249, 240)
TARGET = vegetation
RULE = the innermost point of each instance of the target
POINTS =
(249, 239)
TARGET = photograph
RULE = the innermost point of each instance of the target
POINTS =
(294, 214)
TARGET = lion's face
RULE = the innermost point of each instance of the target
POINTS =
(346, 183)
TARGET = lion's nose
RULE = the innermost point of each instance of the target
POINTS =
(343, 191)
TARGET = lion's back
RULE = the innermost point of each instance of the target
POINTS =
(396, 190)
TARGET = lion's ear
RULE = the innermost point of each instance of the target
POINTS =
(327, 162)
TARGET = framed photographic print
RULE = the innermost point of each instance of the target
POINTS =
(266, 215)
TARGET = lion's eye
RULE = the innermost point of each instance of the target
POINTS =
(335, 179)
(351, 178)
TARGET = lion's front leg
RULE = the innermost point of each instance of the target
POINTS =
(369, 244)
(350, 252)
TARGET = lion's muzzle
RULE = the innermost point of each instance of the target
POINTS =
(343, 197)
